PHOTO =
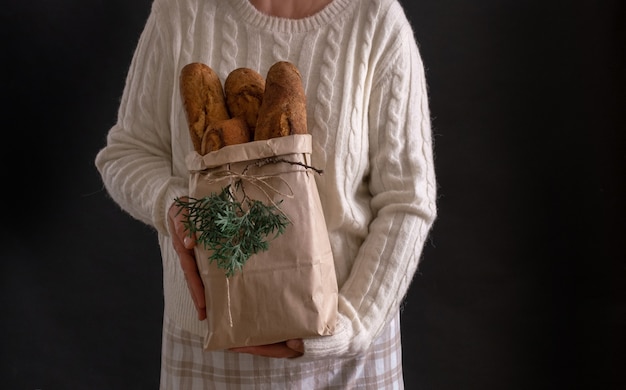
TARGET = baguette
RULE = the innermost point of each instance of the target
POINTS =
(231, 131)
(244, 88)
(211, 141)
(283, 108)
(203, 99)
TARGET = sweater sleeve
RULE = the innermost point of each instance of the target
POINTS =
(403, 190)
(136, 163)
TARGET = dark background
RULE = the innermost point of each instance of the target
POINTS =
(522, 285)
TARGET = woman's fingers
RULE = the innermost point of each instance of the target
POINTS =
(285, 349)
(183, 245)
(194, 281)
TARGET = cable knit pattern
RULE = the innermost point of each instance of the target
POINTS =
(368, 115)
(324, 94)
(355, 141)
(281, 47)
(229, 48)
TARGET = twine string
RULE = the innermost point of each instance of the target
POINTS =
(230, 314)
(261, 182)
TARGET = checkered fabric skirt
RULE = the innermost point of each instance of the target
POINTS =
(186, 366)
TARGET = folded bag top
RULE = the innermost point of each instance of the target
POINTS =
(253, 150)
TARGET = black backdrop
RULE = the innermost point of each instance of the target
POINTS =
(522, 285)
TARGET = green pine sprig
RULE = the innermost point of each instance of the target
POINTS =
(228, 230)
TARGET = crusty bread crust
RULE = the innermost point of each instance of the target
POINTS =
(283, 109)
(231, 131)
(244, 88)
(203, 99)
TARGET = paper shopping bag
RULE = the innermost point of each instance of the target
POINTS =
(288, 290)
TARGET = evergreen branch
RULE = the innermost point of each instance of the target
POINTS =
(230, 231)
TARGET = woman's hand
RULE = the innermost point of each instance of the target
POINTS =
(183, 245)
(286, 349)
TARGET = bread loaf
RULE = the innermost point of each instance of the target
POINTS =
(203, 99)
(211, 141)
(283, 109)
(244, 89)
(231, 131)
(247, 107)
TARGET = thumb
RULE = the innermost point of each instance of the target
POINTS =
(296, 345)
(189, 241)
(177, 217)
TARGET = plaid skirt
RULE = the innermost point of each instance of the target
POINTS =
(186, 366)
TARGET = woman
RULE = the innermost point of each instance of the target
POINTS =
(368, 115)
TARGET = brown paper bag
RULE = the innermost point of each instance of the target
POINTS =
(290, 290)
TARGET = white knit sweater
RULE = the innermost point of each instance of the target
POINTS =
(367, 114)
